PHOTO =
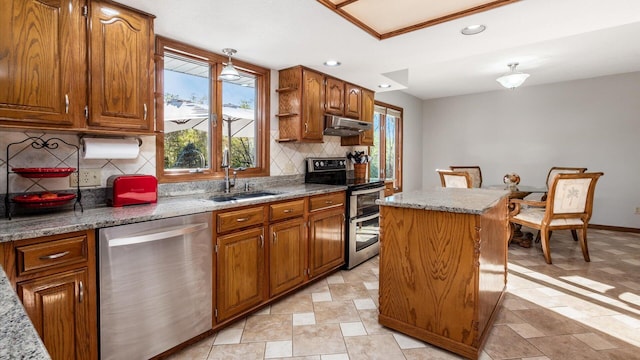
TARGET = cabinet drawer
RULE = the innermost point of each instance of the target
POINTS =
(231, 220)
(286, 210)
(326, 201)
(51, 254)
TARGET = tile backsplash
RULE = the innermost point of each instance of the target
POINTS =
(286, 159)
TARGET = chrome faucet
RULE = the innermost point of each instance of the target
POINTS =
(228, 184)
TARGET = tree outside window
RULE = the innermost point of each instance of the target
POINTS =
(386, 152)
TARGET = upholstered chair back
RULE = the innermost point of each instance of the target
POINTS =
(562, 170)
(474, 173)
(455, 179)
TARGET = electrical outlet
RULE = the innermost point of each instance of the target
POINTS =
(88, 177)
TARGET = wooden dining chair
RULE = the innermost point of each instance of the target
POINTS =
(568, 207)
(455, 179)
(474, 173)
(555, 170)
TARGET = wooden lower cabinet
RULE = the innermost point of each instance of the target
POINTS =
(55, 278)
(326, 240)
(240, 272)
(287, 250)
(58, 307)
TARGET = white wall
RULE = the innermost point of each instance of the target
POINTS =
(412, 139)
(593, 123)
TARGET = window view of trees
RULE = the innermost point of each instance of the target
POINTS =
(202, 115)
(386, 152)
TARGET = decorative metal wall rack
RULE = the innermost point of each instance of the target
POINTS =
(45, 200)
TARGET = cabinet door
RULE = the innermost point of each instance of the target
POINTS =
(312, 105)
(58, 307)
(334, 96)
(240, 274)
(326, 241)
(42, 62)
(286, 255)
(368, 101)
(121, 68)
(352, 102)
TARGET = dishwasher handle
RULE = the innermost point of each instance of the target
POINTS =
(158, 234)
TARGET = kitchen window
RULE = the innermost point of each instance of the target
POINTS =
(386, 152)
(200, 116)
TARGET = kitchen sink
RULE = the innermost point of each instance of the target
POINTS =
(242, 196)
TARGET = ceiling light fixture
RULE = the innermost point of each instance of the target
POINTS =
(473, 29)
(513, 78)
(384, 86)
(332, 63)
(229, 73)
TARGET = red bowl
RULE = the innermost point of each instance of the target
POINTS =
(43, 172)
(35, 201)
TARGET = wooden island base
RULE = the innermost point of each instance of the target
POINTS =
(443, 274)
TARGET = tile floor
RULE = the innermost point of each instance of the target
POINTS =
(568, 310)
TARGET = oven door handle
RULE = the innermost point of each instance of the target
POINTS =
(366, 218)
(367, 191)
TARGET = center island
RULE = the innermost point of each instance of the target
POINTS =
(443, 265)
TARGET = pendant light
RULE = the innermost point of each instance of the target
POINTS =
(229, 73)
(513, 78)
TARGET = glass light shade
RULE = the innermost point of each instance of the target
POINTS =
(512, 80)
(229, 73)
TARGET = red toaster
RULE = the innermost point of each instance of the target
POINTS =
(131, 189)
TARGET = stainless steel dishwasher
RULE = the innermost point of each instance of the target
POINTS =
(155, 285)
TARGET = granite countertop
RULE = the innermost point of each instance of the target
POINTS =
(18, 338)
(69, 221)
(467, 201)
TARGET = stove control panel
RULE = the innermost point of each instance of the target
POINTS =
(326, 164)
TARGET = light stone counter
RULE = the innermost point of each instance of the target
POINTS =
(69, 221)
(466, 201)
(18, 338)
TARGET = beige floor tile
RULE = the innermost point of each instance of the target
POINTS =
(373, 347)
(304, 319)
(504, 343)
(295, 303)
(525, 330)
(365, 304)
(320, 339)
(549, 322)
(228, 336)
(278, 349)
(407, 342)
(595, 341)
(321, 296)
(430, 353)
(197, 351)
(348, 291)
(335, 357)
(370, 321)
(565, 347)
(268, 328)
(254, 351)
(352, 329)
(335, 312)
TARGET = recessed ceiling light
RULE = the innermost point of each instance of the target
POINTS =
(332, 63)
(384, 86)
(473, 29)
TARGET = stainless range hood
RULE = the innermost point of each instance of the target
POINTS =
(340, 126)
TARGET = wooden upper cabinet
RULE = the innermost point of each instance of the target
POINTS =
(334, 96)
(312, 105)
(366, 114)
(352, 101)
(121, 68)
(42, 63)
(301, 96)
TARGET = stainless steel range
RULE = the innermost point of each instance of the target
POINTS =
(362, 214)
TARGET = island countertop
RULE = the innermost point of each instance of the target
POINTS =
(465, 201)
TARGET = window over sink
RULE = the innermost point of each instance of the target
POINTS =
(200, 116)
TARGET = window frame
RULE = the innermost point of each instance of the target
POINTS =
(398, 139)
(261, 106)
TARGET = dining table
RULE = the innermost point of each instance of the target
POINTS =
(519, 192)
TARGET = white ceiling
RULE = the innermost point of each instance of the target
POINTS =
(553, 40)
